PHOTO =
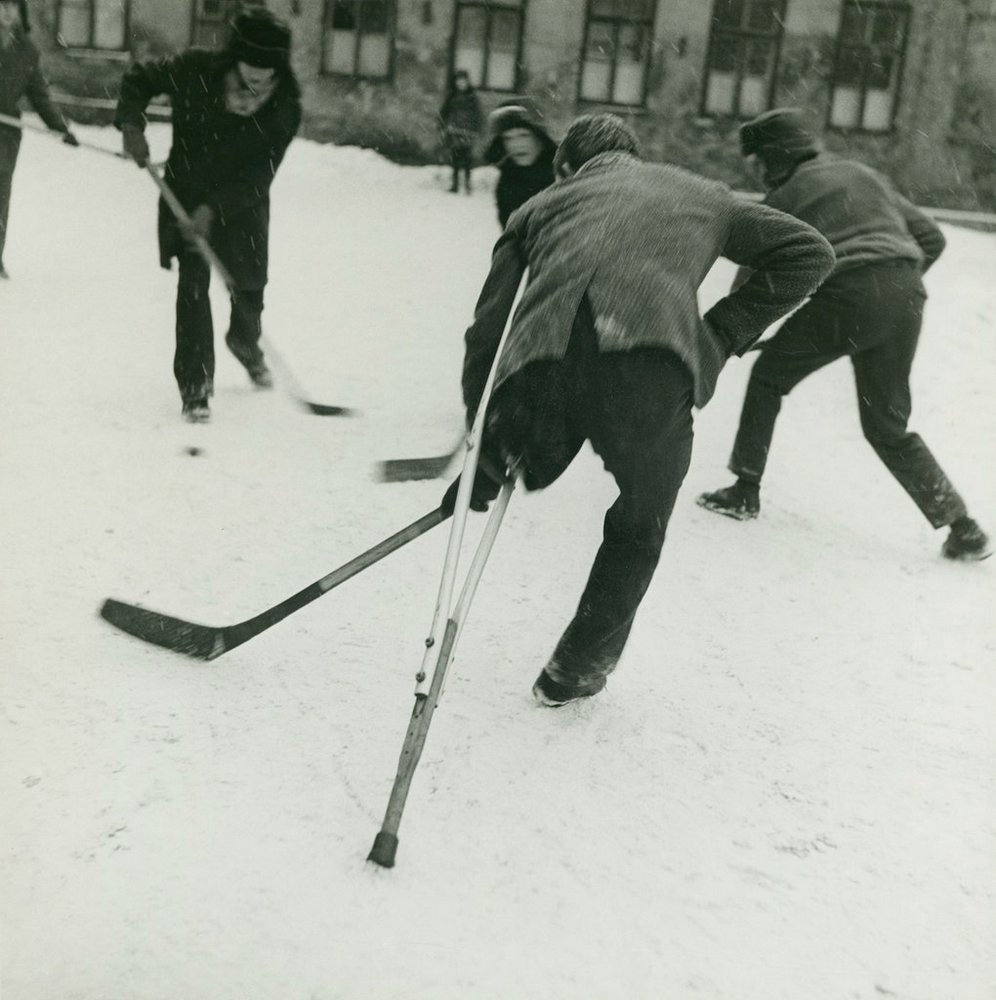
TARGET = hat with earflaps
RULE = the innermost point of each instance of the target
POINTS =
(515, 112)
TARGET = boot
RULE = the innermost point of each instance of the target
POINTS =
(740, 501)
(553, 694)
(966, 542)
(260, 375)
(196, 410)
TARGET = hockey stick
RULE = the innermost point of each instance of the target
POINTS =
(447, 622)
(205, 642)
(207, 252)
(402, 470)
(53, 134)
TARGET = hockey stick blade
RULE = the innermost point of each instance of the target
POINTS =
(402, 470)
(199, 641)
(204, 642)
(327, 409)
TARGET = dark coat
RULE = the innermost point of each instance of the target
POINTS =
(639, 239)
(220, 159)
(857, 209)
(461, 117)
(21, 76)
(516, 185)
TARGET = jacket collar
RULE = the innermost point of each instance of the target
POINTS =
(605, 161)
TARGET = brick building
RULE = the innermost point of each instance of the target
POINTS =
(903, 84)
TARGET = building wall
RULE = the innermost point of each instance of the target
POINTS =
(946, 41)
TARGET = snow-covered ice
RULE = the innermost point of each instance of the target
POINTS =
(785, 792)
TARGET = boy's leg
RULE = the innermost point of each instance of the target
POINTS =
(809, 340)
(640, 423)
(244, 332)
(193, 361)
(881, 375)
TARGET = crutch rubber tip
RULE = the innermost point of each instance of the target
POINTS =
(384, 849)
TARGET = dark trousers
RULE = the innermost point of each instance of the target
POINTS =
(636, 409)
(872, 315)
(193, 362)
(461, 159)
(9, 145)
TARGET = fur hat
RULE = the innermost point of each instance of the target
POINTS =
(259, 39)
(782, 133)
(590, 135)
(515, 112)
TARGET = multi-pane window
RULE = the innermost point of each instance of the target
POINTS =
(358, 38)
(486, 42)
(211, 19)
(744, 43)
(868, 65)
(616, 53)
(93, 24)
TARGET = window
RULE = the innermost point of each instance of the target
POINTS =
(487, 41)
(357, 38)
(211, 20)
(868, 65)
(93, 24)
(616, 51)
(744, 42)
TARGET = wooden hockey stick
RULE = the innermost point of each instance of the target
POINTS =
(206, 642)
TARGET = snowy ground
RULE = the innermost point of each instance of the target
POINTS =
(785, 792)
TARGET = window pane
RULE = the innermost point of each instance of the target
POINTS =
(109, 31)
(728, 13)
(373, 16)
(340, 52)
(878, 110)
(504, 48)
(880, 70)
(852, 27)
(761, 16)
(345, 16)
(74, 22)
(850, 67)
(723, 55)
(596, 75)
(375, 55)
(630, 64)
(469, 51)
(846, 107)
(888, 26)
(719, 93)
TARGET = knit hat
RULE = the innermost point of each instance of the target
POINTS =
(515, 112)
(782, 132)
(259, 39)
(590, 135)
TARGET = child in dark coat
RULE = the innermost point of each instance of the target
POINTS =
(461, 121)
(523, 151)
(234, 115)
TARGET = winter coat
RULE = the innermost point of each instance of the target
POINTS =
(638, 239)
(21, 76)
(461, 118)
(220, 159)
(859, 212)
(516, 185)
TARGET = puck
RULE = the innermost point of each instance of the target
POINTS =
(193, 450)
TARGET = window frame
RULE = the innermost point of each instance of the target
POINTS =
(91, 44)
(328, 8)
(650, 22)
(778, 37)
(521, 8)
(198, 20)
(906, 8)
